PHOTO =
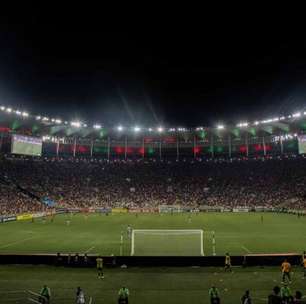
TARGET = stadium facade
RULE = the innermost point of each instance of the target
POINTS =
(262, 138)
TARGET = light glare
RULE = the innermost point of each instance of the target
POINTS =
(76, 124)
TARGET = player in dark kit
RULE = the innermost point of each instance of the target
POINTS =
(99, 262)
(228, 264)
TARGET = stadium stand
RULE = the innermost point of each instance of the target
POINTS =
(278, 183)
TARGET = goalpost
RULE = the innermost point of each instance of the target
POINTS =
(167, 242)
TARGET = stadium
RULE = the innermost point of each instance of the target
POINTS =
(151, 161)
(71, 191)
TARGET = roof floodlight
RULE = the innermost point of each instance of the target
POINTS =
(297, 114)
(119, 128)
(136, 129)
(76, 124)
(220, 127)
(160, 129)
(243, 124)
(97, 127)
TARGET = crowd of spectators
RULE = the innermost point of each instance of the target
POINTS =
(148, 184)
(12, 201)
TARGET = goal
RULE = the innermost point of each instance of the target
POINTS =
(160, 242)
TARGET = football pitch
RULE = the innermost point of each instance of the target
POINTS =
(146, 285)
(236, 233)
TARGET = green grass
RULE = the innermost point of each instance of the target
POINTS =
(237, 233)
(146, 285)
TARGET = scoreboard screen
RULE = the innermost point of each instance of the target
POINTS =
(26, 145)
(302, 144)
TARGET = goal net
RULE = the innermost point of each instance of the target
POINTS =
(160, 242)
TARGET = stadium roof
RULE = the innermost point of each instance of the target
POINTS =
(14, 120)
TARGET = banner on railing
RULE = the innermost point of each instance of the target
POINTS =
(103, 210)
(4, 219)
(23, 217)
(241, 209)
(38, 214)
(170, 209)
(119, 210)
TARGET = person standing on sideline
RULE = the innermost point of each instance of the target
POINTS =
(228, 264)
(123, 295)
(99, 262)
(275, 298)
(45, 295)
(286, 268)
(214, 295)
(286, 294)
(304, 267)
(80, 296)
(246, 299)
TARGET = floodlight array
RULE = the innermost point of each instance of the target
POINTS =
(138, 129)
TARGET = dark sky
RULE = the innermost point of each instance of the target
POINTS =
(185, 70)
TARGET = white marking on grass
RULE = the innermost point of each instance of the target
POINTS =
(12, 291)
(89, 249)
(17, 242)
(261, 299)
(246, 249)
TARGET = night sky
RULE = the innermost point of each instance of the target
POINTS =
(182, 71)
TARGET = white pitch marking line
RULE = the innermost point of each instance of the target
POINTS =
(89, 249)
(18, 242)
(12, 291)
(246, 249)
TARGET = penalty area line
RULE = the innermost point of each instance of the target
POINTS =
(246, 249)
(18, 242)
(89, 249)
